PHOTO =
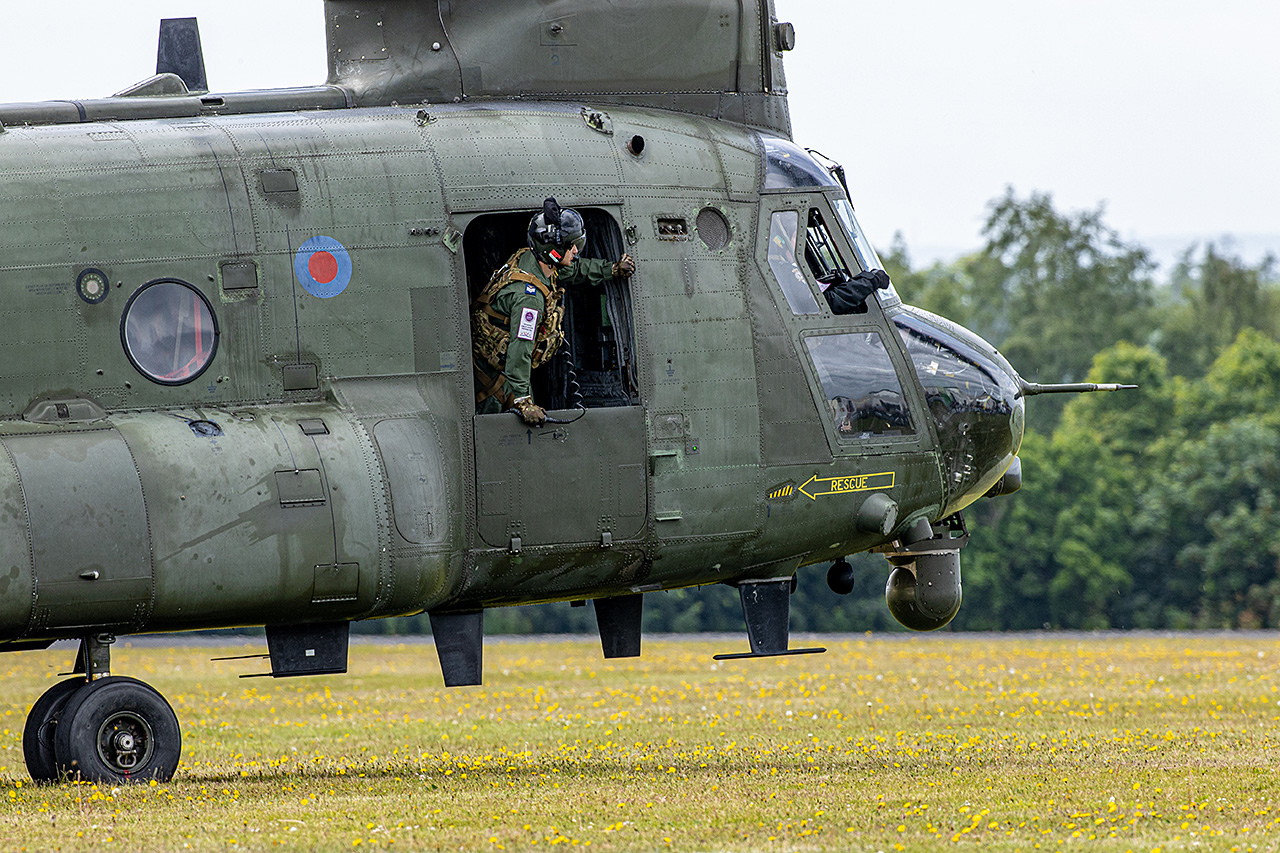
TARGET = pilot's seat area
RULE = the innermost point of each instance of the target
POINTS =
(595, 367)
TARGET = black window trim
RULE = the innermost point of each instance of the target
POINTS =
(124, 340)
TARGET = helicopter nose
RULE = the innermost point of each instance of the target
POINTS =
(974, 401)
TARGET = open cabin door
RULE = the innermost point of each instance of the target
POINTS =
(581, 482)
(561, 483)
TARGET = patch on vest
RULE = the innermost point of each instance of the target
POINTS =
(528, 324)
(530, 289)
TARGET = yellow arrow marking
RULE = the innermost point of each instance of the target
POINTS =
(816, 487)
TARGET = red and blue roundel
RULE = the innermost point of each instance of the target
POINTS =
(323, 267)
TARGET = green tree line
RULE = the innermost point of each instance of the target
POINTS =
(1154, 508)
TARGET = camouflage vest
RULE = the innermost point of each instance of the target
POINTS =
(491, 329)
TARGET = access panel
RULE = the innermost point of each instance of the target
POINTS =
(89, 536)
(580, 482)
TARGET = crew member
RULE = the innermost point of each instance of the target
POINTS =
(517, 321)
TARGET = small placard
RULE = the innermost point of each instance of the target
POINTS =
(528, 324)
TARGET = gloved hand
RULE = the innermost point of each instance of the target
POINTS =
(878, 279)
(624, 267)
(847, 296)
(529, 411)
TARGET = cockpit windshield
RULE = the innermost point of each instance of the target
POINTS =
(867, 256)
(788, 166)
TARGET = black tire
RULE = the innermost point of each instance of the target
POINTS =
(37, 735)
(115, 730)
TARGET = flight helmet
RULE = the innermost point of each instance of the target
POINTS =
(553, 231)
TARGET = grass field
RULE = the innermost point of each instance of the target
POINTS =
(1105, 743)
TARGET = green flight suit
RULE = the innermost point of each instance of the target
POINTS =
(511, 302)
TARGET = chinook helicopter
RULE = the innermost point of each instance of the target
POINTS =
(237, 391)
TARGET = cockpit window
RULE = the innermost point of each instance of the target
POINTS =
(866, 254)
(867, 257)
(954, 373)
(820, 253)
(169, 332)
(783, 228)
(844, 292)
(787, 165)
(864, 396)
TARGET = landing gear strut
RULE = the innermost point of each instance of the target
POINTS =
(99, 727)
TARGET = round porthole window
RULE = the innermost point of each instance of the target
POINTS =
(169, 332)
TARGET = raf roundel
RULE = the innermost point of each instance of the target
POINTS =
(323, 267)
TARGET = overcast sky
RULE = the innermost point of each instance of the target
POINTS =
(1166, 110)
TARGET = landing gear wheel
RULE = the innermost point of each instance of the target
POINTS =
(118, 729)
(37, 735)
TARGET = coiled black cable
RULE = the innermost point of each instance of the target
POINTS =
(572, 389)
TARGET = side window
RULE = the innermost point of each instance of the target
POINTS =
(864, 397)
(169, 332)
(842, 292)
(866, 254)
(821, 255)
(784, 227)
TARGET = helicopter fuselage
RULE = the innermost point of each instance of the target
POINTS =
(238, 385)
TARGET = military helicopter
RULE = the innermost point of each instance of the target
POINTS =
(236, 385)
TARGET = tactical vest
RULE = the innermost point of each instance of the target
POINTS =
(491, 329)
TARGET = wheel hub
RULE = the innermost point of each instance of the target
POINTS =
(125, 741)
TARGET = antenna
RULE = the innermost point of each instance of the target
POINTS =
(180, 53)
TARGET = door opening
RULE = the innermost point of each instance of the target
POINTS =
(596, 366)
